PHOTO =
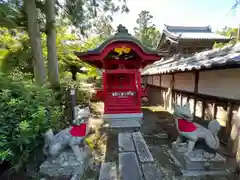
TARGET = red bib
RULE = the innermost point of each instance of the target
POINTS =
(186, 126)
(79, 130)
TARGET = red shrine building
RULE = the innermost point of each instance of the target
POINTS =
(121, 58)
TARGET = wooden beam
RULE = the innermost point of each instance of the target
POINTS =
(218, 99)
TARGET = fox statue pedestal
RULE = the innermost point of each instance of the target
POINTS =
(195, 149)
(198, 162)
(65, 156)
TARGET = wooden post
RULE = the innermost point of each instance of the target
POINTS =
(73, 102)
(229, 119)
(137, 78)
(195, 92)
(181, 99)
(172, 89)
(176, 97)
(104, 86)
(161, 92)
(214, 112)
(203, 109)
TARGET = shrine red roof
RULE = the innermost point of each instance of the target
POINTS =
(122, 35)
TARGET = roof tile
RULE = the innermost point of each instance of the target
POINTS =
(207, 59)
(185, 32)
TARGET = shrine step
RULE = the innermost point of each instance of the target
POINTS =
(108, 171)
(129, 168)
(125, 142)
(119, 105)
(142, 148)
(120, 124)
(125, 119)
(123, 109)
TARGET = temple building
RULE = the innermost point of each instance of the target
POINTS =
(188, 40)
(195, 72)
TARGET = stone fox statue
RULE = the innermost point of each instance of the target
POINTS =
(193, 131)
(72, 136)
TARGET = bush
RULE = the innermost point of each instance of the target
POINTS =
(83, 97)
(26, 112)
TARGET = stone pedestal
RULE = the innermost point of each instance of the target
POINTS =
(65, 165)
(199, 161)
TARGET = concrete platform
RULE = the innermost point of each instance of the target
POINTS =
(108, 171)
(124, 124)
(125, 142)
(142, 148)
(129, 168)
(198, 162)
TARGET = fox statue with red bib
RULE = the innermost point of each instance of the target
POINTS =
(71, 137)
(192, 131)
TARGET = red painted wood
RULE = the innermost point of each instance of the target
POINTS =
(98, 60)
(121, 76)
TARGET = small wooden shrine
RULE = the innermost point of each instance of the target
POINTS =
(121, 58)
(187, 40)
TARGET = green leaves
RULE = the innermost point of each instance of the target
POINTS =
(145, 30)
(8, 15)
(228, 32)
(26, 112)
(83, 13)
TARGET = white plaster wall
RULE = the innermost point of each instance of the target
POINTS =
(165, 80)
(222, 83)
(149, 79)
(156, 80)
(184, 81)
(144, 79)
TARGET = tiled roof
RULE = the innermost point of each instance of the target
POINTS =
(207, 59)
(184, 32)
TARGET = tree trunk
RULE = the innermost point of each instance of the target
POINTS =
(35, 40)
(51, 44)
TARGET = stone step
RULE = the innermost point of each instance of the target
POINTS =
(129, 168)
(108, 171)
(116, 124)
(125, 142)
(142, 148)
(152, 172)
(126, 119)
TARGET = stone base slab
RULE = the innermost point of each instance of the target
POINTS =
(66, 164)
(198, 159)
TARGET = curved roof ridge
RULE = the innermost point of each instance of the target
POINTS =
(187, 28)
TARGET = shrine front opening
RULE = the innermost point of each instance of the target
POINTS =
(121, 58)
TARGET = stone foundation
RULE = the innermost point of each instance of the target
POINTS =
(198, 160)
(65, 165)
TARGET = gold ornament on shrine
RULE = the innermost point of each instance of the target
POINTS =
(122, 50)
